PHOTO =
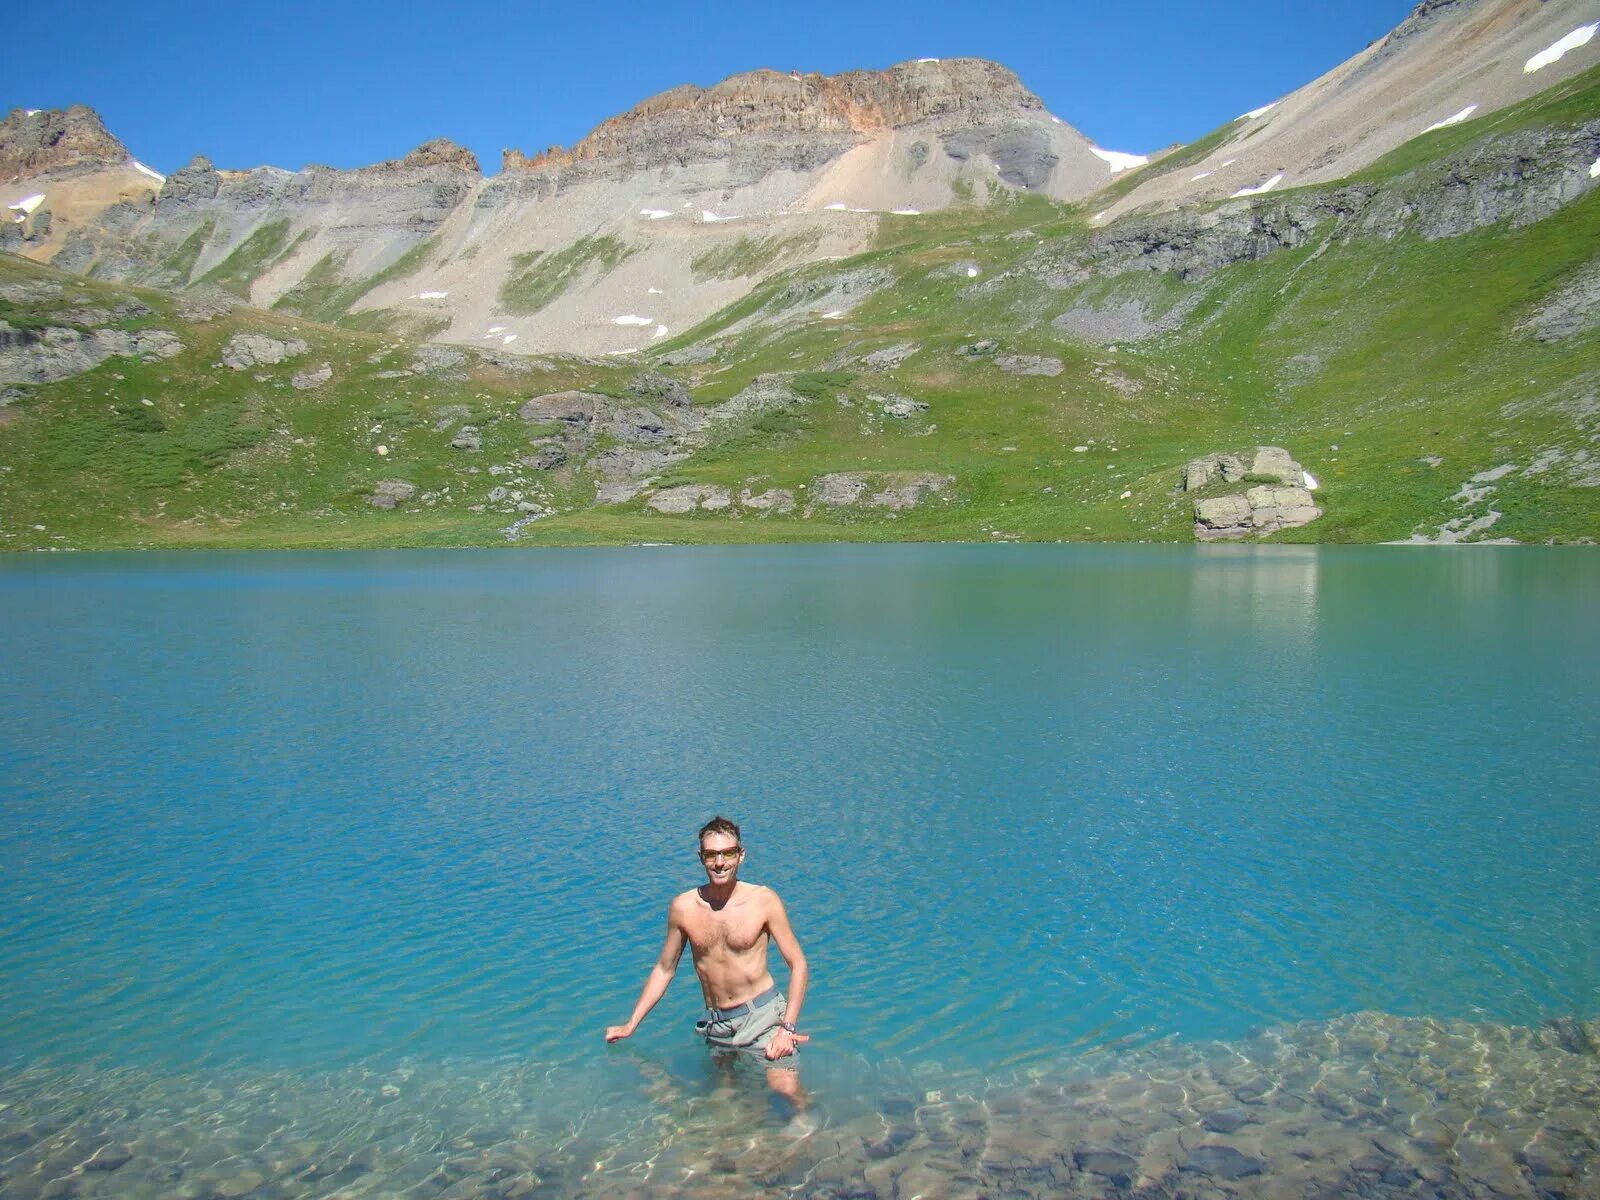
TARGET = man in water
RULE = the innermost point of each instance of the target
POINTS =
(727, 924)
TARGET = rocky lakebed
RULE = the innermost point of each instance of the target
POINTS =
(1368, 1105)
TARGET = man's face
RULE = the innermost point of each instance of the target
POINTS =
(720, 854)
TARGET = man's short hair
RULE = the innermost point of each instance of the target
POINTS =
(720, 825)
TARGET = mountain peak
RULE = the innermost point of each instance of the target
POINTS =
(692, 122)
(33, 142)
(439, 152)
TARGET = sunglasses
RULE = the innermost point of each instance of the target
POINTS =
(711, 856)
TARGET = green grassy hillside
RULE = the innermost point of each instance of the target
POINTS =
(1395, 368)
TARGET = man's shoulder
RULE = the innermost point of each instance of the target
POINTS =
(684, 901)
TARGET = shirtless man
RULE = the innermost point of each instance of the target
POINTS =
(726, 924)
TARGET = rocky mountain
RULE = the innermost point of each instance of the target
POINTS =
(35, 143)
(679, 207)
(1404, 351)
(655, 220)
(1449, 62)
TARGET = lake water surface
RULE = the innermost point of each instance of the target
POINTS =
(324, 872)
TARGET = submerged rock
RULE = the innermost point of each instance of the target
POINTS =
(1223, 1162)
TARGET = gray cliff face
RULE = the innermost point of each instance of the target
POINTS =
(391, 206)
(56, 140)
(193, 184)
(1518, 179)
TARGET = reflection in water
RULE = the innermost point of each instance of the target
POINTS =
(1264, 594)
(1367, 1104)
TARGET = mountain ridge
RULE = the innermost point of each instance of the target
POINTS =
(683, 204)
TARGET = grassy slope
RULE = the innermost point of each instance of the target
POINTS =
(1367, 359)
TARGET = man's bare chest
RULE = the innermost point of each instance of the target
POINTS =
(733, 930)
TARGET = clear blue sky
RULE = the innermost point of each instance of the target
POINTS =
(354, 82)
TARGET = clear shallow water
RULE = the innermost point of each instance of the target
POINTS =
(281, 826)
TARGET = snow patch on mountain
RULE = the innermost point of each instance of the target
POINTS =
(1554, 52)
(1259, 188)
(1453, 119)
(1117, 160)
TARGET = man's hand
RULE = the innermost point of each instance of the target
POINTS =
(784, 1043)
(615, 1033)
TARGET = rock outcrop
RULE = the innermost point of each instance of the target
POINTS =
(798, 121)
(1518, 179)
(246, 350)
(689, 497)
(387, 493)
(52, 140)
(60, 352)
(440, 152)
(894, 490)
(1280, 499)
(191, 184)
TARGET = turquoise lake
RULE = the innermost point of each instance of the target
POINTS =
(324, 872)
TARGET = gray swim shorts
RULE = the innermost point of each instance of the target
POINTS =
(745, 1026)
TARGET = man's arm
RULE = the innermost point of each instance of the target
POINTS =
(783, 1042)
(655, 986)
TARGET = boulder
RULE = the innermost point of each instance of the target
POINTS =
(896, 490)
(653, 385)
(1198, 472)
(467, 438)
(889, 357)
(570, 408)
(438, 360)
(546, 458)
(779, 500)
(637, 425)
(1222, 517)
(626, 462)
(691, 356)
(764, 393)
(616, 491)
(839, 489)
(1029, 364)
(689, 497)
(1279, 503)
(58, 352)
(386, 493)
(899, 407)
(979, 349)
(304, 381)
(206, 303)
(1275, 462)
(910, 493)
(1274, 508)
(246, 350)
